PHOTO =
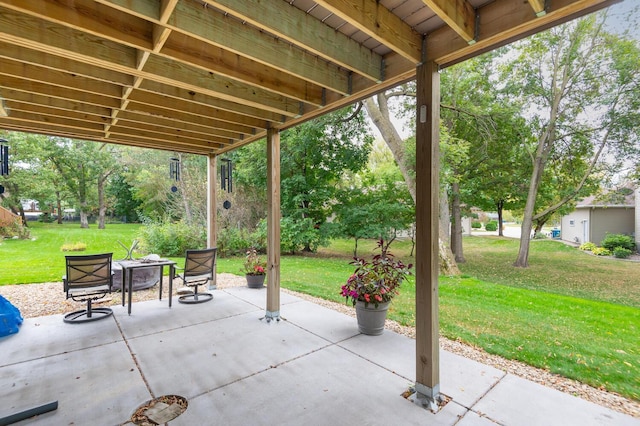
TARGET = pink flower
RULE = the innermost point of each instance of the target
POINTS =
(366, 298)
(378, 298)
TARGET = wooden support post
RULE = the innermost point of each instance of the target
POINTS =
(273, 225)
(427, 185)
(212, 188)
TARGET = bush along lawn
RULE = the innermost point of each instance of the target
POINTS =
(597, 343)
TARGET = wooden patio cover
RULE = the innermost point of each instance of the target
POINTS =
(207, 76)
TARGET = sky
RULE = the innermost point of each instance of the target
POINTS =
(625, 16)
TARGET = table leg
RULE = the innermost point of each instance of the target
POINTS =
(161, 272)
(122, 284)
(172, 272)
(130, 289)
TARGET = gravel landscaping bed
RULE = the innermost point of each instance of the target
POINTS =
(34, 300)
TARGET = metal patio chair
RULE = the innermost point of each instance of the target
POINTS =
(88, 278)
(199, 267)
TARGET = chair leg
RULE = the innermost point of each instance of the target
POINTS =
(87, 315)
(195, 297)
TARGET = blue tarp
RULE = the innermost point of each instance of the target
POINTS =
(10, 318)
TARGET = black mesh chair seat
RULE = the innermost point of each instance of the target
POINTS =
(88, 279)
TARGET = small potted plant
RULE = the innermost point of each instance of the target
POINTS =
(254, 269)
(372, 286)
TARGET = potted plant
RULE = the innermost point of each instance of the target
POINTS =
(372, 286)
(254, 269)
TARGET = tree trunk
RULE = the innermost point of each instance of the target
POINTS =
(500, 207)
(59, 204)
(379, 114)
(84, 221)
(456, 225)
(445, 216)
(522, 260)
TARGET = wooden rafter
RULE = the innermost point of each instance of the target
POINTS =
(207, 76)
(458, 14)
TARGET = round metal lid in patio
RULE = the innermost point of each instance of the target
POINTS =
(159, 410)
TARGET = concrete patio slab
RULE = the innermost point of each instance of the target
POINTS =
(46, 337)
(326, 323)
(311, 368)
(153, 316)
(99, 385)
(464, 380)
(258, 296)
(327, 387)
(516, 401)
(197, 359)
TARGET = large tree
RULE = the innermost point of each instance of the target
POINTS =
(315, 156)
(582, 89)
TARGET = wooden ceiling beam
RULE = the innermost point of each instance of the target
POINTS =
(502, 22)
(28, 32)
(301, 29)
(191, 102)
(457, 14)
(375, 20)
(78, 96)
(58, 63)
(239, 68)
(215, 29)
(50, 102)
(538, 7)
(229, 33)
(34, 73)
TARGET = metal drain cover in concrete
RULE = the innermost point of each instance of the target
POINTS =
(159, 410)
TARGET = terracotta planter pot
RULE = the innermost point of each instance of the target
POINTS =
(255, 281)
(371, 319)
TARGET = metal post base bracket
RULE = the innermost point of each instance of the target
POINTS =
(269, 315)
(426, 397)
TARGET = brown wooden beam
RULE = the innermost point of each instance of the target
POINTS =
(375, 20)
(502, 22)
(457, 14)
(427, 207)
(273, 225)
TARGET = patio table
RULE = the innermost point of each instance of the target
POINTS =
(127, 276)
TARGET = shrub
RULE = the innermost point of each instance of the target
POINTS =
(171, 238)
(73, 247)
(611, 241)
(621, 252)
(491, 226)
(539, 236)
(601, 251)
(476, 225)
(232, 242)
(588, 246)
(14, 229)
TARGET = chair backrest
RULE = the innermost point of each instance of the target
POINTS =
(200, 262)
(88, 271)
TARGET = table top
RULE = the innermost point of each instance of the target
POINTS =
(139, 263)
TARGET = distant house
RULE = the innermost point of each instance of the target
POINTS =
(597, 216)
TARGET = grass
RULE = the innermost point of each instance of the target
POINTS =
(41, 259)
(554, 267)
(570, 313)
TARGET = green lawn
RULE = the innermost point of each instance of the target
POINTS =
(553, 267)
(569, 312)
(41, 258)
